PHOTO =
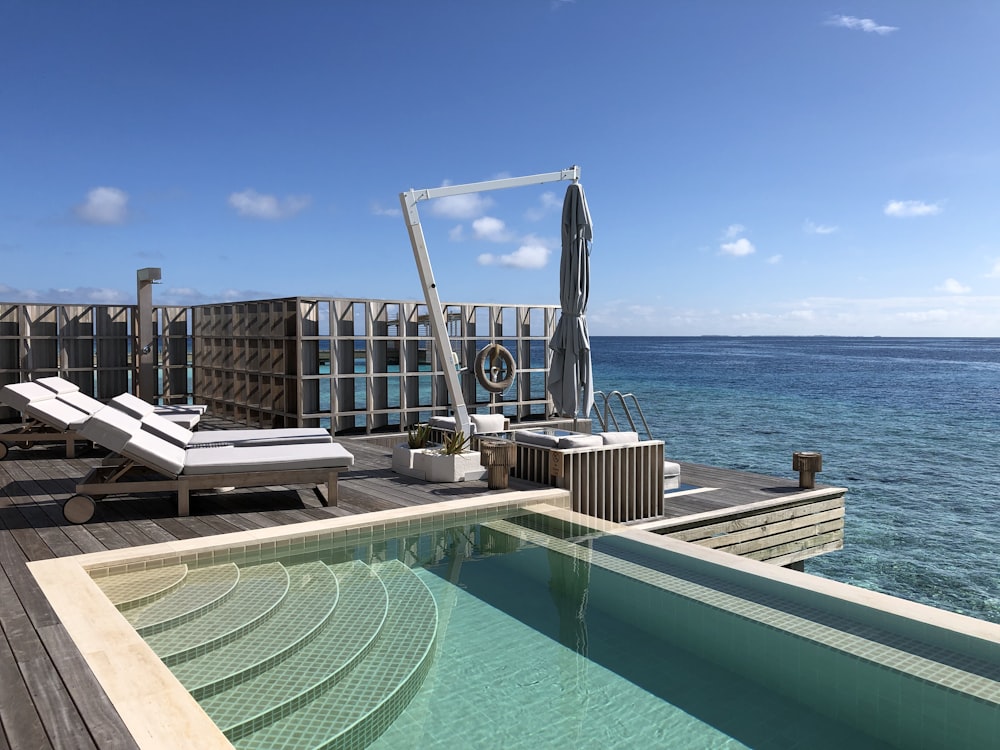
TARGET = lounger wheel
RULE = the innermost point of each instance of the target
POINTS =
(79, 509)
(4, 450)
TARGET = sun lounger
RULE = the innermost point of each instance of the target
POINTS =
(47, 418)
(186, 415)
(150, 463)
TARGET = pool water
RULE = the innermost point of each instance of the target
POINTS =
(521, 630)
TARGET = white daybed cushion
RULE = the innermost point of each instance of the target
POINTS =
(487, 423)
(19, 395)
(248, 438)
(110, 428)
(55, 413)
(580, 441)
(670, 469)
(536, 438)
(236, 458)
(81, 401)
(59, 385)
(620, 438)
(442, 423)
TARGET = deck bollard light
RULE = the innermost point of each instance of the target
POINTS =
(807, 463)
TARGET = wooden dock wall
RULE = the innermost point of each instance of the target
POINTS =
(782, 531)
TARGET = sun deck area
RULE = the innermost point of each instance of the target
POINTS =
(49, 696)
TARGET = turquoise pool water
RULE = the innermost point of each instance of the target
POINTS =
(516, 630)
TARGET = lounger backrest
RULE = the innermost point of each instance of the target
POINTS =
(55, 413)
(166, 429)
(81, 401)
(19, 395)
(58, 385)
(155, 452)
(132, 405)
(110, 428)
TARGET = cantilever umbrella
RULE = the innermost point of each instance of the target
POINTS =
(570, 374)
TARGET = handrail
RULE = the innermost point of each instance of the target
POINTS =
(609, 414)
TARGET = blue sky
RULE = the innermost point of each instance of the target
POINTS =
(751, 167)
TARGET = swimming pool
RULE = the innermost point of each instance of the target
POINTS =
(524, 625)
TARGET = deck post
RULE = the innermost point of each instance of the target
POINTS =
(807, 463)
(144, 346)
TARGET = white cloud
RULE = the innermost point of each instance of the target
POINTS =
(491, 229)
(379, 210)
(811, 228)
(860, 24)
(467, 206)
(738, 248)
(733, 231)
(456, 233)
(532, 254)
(953, 286)
(774, 259)
(994, 273)
(256, 205)
(901, 209)
(104, 205)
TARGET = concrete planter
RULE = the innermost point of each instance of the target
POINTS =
(436, 466)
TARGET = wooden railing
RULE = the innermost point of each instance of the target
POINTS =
(353, 365)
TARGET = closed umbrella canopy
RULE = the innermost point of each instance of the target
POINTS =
(570, 373)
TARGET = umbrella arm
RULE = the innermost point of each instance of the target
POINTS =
(439, 330)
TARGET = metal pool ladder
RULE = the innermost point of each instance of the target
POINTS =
(606, 415)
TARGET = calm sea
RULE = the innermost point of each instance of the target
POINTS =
(909, 426)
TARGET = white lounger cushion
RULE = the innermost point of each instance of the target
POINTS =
(110, 428)
(59, 385)
(81, 401)
(580, 441)
(152, 451)
(548, 440)
(55, 413)
(250, 438)
(19, 395)
(136, 407)
(239, 458)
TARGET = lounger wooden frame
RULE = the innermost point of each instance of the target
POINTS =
(34, 431)
(615, 482)
(121, 476)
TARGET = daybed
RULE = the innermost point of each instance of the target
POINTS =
(611, 475)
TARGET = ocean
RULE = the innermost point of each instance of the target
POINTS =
(911, 427)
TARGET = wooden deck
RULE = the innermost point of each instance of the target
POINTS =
(48, 696)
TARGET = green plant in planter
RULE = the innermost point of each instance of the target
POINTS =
(455, 444)
(417, 436)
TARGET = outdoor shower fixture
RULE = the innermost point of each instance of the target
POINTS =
(408, 201)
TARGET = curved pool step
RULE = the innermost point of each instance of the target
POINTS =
(130, 590)
(261, 590)
(369, 698)
(201, 590)
(350, 633)
(311, 599)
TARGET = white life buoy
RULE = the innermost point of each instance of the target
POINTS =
(495, 368)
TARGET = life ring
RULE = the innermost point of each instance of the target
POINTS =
(495, 368)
